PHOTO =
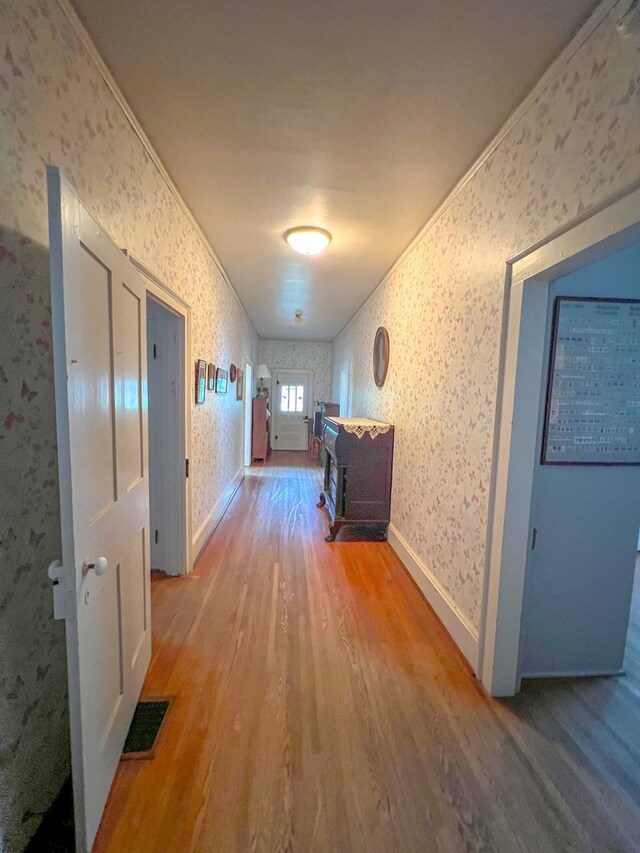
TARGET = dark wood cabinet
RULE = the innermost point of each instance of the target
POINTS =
(358, 468)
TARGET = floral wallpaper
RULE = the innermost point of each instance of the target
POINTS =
(300, 355)
(56, 108)
(577, 145)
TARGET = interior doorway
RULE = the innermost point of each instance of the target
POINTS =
(167, 466)
(247, 396)
(585, 512)
(345, 390)
(523, 392)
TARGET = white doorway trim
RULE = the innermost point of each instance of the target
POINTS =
(247, 397)
(612, 228)
(172, 302)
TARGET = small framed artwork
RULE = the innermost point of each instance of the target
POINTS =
(201, 380)
(211, 377)
(232, 373)
(240, 384)
(221, 381)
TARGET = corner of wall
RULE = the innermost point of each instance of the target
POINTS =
(457, 625)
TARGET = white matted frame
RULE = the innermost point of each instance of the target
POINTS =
(168, 298)
(613, 227)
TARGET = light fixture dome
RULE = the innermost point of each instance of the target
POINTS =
(308, 239)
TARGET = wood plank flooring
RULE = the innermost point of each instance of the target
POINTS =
(320, 706)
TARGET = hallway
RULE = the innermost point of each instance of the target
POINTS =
(320, 706)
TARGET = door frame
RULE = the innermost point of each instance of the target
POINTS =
(274, 395)
(247, 397)
(347, 365)
(612, 227)
(171, 301)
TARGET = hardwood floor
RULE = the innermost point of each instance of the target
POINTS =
(320, 706)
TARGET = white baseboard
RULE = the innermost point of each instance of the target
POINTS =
(464, 635)
(206, 529)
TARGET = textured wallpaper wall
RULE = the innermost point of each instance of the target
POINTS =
(577, 144)
(56, 108)
(301, 355)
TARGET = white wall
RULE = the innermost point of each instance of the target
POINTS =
(300, 355)
(575, 146)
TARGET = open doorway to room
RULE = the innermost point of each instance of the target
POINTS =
(345, 390)
(585, 510)
(247, 392)
(167, 459)
(563, 546)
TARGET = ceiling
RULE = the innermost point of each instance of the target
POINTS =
(357, 116)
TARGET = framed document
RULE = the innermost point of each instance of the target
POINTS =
(592, 411)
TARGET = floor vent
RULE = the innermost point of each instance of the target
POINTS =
(145, 728)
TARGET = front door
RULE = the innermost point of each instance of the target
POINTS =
(584, 528)
(291, 428)
(99, 338)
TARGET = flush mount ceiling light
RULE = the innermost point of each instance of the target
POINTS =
(307, 239)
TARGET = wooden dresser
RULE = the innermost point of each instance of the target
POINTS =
(358, 468)
(259, 428)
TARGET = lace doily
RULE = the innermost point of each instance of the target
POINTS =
(362, 426)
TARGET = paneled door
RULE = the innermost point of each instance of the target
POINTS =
(99, 340)
(291, 403)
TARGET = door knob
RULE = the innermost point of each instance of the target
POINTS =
(100, 566)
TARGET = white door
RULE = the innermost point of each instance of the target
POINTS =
(584, 525)
(165, 348)
(291, 427)
(99, 338)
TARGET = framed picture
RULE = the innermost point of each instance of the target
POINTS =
(211, 377)
(201, 380)
(240, 384)
(232, 373)
(222, 377)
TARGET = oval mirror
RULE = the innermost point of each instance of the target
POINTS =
(380, 356)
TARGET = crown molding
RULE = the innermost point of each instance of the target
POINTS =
(566, 54)
(80, 30)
